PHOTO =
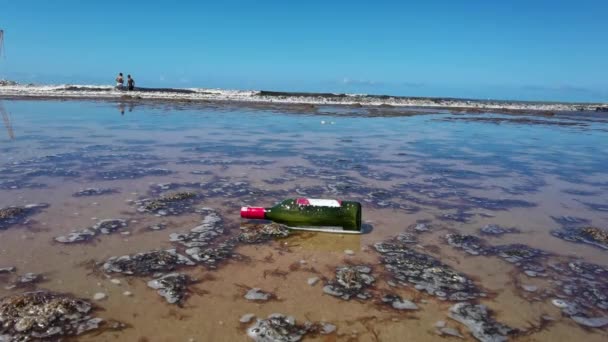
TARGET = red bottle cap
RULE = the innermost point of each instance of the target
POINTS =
(253, 213)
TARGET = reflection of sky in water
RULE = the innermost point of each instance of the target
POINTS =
(509, 146)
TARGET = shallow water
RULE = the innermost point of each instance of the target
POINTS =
(454, 172)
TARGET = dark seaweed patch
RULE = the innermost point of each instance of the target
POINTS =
(570, 220)
(459, 216)
(10, 216)
(499, 204)
(425, 272)
(130, 172)
(94, 192)
(469, 243)
(576, 192)
(45, 316)
(146, 262)
(496, 230)
(590, 235)
(349, 282)
(258, 233)
(596, 206)
(170, 204)
(173, 287)
(479, 322)
(15, 184)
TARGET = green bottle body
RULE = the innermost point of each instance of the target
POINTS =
(318, 214)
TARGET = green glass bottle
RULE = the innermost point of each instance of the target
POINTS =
(311, 214)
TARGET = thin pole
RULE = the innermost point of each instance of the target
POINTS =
(1, 43)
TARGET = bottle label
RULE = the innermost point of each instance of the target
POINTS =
(318, 202)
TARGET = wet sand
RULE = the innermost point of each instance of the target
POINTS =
(403, 169)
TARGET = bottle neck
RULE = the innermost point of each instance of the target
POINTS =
(253, 213)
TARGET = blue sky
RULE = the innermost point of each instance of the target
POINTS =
(529, 50)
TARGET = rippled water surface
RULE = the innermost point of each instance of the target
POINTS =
(429, 183)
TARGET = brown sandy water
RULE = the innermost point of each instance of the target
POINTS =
(280, 155)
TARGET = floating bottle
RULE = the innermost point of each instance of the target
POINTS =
(311, 214)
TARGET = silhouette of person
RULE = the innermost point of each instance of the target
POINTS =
(120, 82)
(130, 83)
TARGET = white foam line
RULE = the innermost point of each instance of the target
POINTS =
(201, 94)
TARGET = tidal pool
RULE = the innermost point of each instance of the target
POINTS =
(126, 216)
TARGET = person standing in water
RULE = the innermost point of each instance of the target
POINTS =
(120, 82)
(130, 83)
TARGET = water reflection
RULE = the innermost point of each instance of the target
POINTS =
(125, 106)
(6, 119)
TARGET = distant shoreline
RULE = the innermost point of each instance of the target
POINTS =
(198, 95)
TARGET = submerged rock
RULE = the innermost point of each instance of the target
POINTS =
(158, 226)
(496, 230)
(581, 313)
(276, 327)
(102, 227)
(44, 316)
(469, 243)
(350, 281)
(312, 281)
(593, 322)
(449, 332)
(246, 318)
(258, 233)
(94, 192)
(586, 270)
(147, 262)
(202, 235)
(256, 294)
(109, 226)
(100, 296)
(399, 303)
(421, 227)
(570, 220)
(173, 287)
(325, 328)
(171, 204)
(518, 253)
(83, 235)
(477, 319)
(280, 328)
(586, 293)
(589, 235)
(7, 269)
(524, 257)
(212, 256)
(407, 238)
(29, 278)
(26, 280)
(529, 288)
(425, 272)
(459, 216)
(15, 215)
